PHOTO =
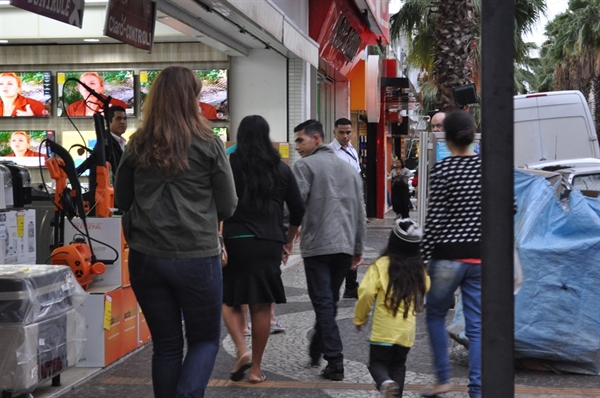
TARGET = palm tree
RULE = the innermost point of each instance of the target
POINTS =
(443, 37)
(574, 47)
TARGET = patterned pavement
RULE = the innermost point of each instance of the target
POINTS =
(285, 362)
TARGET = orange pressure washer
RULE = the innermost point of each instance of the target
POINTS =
(68, 203)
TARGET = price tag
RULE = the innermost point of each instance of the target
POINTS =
(107, 312)
(284, 150)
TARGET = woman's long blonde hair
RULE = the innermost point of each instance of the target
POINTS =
(171, 116)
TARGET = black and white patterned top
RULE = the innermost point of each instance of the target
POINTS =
(453, 222)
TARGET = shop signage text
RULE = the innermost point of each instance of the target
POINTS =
(67, 11)
(131, 22)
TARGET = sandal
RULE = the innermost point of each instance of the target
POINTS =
(262, 378)
(241, 366)
(437, 389)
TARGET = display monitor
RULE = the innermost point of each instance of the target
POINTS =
(25, 147)
(214, 101)
(73, 142)
(25, 94)
(76, 101)
(222, 133)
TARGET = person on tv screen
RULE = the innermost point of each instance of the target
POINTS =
(90, 105)
(12, 103)
(208, 111)
(19, 143)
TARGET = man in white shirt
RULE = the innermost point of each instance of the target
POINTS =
(341, 144)
(344, 150)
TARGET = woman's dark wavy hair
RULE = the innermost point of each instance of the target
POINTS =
(460, 128)
(407, 283)
(259, 161)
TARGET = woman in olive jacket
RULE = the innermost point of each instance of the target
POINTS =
(176, 184)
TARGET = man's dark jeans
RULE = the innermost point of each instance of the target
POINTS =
(324, 277)
(166, 289)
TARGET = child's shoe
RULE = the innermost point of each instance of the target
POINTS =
(389, 389)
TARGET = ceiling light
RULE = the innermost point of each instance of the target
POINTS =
(4, 3)
(91, 40)
(2, 41)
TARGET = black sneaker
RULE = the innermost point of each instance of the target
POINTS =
(333, 373)
(351, 293)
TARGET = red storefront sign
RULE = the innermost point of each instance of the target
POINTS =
(67, 11)
(342, 32)
(379, 20)
(132, 22)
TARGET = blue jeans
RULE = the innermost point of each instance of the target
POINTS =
(324, 277)
(446, 276)
(165, 289)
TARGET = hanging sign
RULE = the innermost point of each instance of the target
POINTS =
(132, 22)
(67, 11)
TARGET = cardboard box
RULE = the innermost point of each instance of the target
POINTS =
(109, 232)
(8, 237)
(33, 353)
(144, 335)
(103, 313)
(124, 262)
(129, 338)
(26, 237)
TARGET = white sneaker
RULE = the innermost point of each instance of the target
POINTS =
(389, 389)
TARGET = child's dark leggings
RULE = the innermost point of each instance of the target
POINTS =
(388, 363)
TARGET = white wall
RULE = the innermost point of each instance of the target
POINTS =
(296, 11)
(258, 86)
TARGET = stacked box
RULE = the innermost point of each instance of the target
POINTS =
(41, 334)
(34, 353)
(103, 314)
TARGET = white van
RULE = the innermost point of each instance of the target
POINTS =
(553, 126)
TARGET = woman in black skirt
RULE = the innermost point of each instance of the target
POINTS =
(400, 193)
(256, 241)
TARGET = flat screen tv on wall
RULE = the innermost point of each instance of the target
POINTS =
(25, 147)
(76, 101)
(25, 94)
(214, 101)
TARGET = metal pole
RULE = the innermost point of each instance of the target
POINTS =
(497, 32)
(423, 177)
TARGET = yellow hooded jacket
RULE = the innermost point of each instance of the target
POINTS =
(387, 328)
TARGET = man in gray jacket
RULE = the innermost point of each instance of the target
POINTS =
(333, 235)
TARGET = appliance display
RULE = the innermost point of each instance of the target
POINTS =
(213, 97)
(75, 100)
(24, 147)
(25, 94)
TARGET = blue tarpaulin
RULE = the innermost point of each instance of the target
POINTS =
(557, 310)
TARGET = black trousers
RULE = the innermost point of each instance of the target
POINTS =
(388, 363)
(351, 282)
(400, 200)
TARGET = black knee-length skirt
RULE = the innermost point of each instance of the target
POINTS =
(253, 273)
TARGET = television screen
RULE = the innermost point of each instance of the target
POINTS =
(71, 141)
(25, 94)
(79, 102)
(25, 147)
(213, 97)
(221, 132)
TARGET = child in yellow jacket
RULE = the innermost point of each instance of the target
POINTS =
(397, 282)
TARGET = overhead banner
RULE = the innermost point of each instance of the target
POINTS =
(132, 22)
(67, 11)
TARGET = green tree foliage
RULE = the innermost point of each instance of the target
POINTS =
(443, 38)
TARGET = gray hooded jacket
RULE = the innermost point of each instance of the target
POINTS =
(332, 191)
